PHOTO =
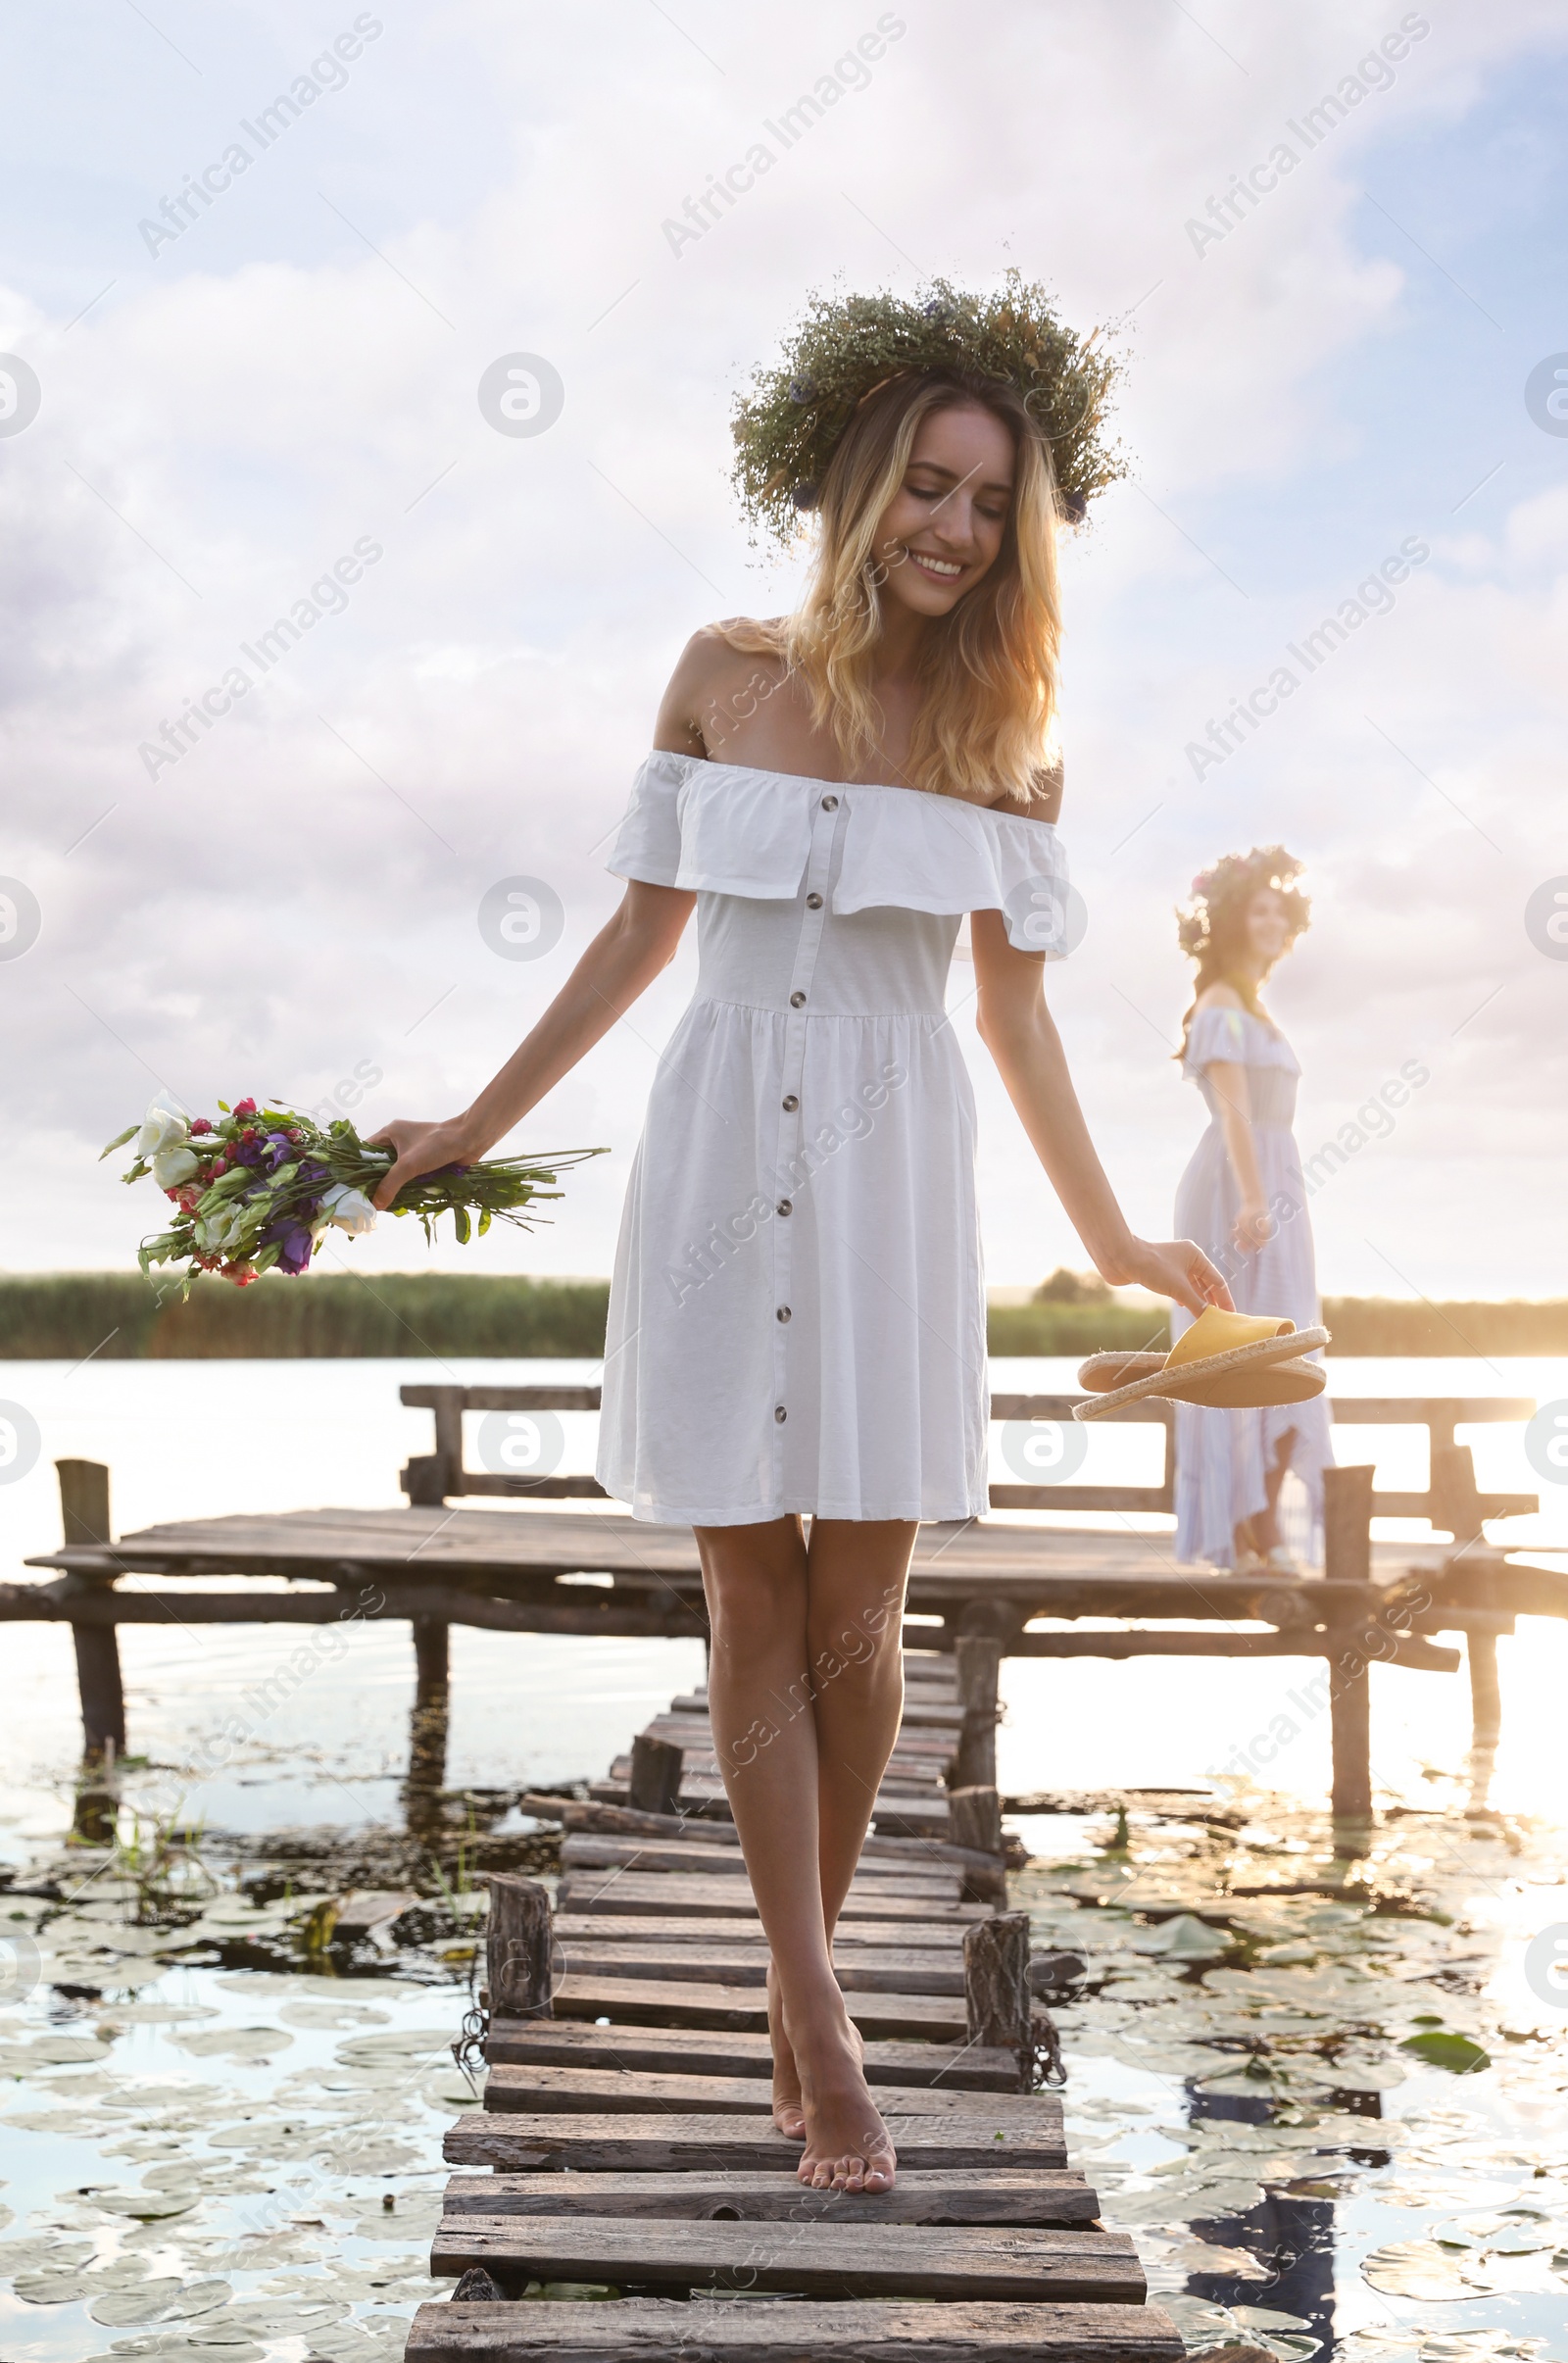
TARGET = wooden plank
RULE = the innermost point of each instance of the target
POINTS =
(917, 1814)
(903, 1777)
(697, 1733)
(660, 1930)
(576, 1813)
(835, 2257)
(662, 2001)
(917, 2197)
(719, 1898)
(880, 1970)
(846, 2331)
(566, 2043)
(594, 1852)
(924, 1705)
(544, 2092)
(674, 2144)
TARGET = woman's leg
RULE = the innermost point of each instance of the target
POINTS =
(1261, 1533)
(804, 1712)
(854, 1631)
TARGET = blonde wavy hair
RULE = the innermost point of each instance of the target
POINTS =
(989, 702)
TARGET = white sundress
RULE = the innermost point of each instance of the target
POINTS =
(797, 1316)
(1222, 1458)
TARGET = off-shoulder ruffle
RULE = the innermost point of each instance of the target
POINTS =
(1237, 1037)
(725, 828)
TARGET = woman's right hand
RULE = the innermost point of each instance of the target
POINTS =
(420, 1148)
(1254, 1226)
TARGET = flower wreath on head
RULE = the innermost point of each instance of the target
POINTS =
(1236, 879)
(787, 425)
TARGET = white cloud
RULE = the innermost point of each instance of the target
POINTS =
(280, 904)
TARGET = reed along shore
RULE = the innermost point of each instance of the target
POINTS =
(119, 1316)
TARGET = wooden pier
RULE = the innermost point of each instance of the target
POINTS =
(553, 1556)
(627, 2146)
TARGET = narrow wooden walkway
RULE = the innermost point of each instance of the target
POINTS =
(626, 2141)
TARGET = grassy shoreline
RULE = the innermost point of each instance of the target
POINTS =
(115, 1316)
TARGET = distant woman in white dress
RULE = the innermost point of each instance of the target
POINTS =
(797, 1323)
(1243, 1197)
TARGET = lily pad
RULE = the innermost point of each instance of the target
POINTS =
(1440, 2047)
(147, 2206)
(45, 2288)
(159, 2300)
(1415, 2268)
(1184, 1938)
(235, 2043)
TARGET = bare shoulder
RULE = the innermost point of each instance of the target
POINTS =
(1044, 799)
(1219, 997)
(716, 665)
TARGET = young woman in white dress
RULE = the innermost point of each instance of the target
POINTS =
(797, 1324)
(1242, 1196)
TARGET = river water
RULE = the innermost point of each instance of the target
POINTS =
(1325, 2096)
(193, 1439)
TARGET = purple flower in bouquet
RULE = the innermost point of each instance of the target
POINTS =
(293, 1241)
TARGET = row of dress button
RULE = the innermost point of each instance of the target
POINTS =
(813, 902)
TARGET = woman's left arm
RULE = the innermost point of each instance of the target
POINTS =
(1016, 1028)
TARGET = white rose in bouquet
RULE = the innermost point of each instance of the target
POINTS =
(349, 1209)
(161, 1128)
(217, 1233)
(171, 1166)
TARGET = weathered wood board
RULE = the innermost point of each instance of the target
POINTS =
(917, 2197)
(735, 2051)
(662, 2003)
(676, 2145)
(824, 2257)
(867, 2331)
(549, 2091)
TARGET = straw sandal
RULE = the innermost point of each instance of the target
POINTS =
(1226, 1360)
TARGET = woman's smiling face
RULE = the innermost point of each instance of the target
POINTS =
(1268, 926)
(943, 528)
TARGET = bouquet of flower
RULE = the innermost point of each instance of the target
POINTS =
(261, 1186)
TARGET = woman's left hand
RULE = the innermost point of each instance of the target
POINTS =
(1179, 1268)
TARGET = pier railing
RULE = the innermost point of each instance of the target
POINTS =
(431, 1479)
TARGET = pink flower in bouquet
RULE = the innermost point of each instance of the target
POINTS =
(244, 1108)
(200, 1123)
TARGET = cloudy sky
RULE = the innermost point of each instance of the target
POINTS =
(228, 372)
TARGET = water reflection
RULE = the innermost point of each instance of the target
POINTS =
(1322, 2097)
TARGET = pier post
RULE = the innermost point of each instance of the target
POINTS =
(977, 1658)
(517, 1948)
(975, 1820)
(84, 1516)
(1348, 1559)
(432, 1681)
(655, 1783)
(996, 1998)
(1457, 1505)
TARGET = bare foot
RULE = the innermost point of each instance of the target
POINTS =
(788, 2114)
(848, 2147)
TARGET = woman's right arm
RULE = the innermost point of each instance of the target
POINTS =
(618, 965)
(1253, 1222)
